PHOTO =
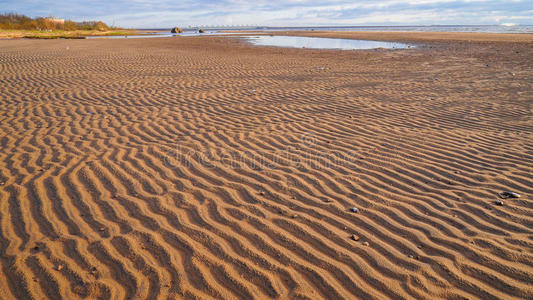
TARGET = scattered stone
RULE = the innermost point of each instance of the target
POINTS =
(294, 216)
(201, 31)
(176, 30)
(366, 244)
(417, 257)
(499, 202)
(355, 237)
(261, 193)
(354, 209)
(507, 194)
(59, 267)
(102, 228)
(2, 183)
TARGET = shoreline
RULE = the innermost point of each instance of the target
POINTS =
(61, 34)
(400, 36)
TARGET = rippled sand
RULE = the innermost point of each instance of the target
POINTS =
(208, 168)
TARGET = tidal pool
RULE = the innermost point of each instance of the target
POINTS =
(322, 43)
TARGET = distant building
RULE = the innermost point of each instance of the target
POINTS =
(56, 21)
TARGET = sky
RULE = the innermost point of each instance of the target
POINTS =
(168, 13)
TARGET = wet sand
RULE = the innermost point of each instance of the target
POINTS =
(196, 167)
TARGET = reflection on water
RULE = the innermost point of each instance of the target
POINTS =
(322, 43)
(283, 41)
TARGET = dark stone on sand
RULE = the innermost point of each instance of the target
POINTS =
(176, 30)
(507, 194)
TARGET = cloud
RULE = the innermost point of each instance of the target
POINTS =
(165, 13)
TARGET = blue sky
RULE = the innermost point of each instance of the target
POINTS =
(167, 13)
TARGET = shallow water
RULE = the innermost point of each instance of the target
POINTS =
(428, 28)
(322, 43)
(164, 34)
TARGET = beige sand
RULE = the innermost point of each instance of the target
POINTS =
(207, 168)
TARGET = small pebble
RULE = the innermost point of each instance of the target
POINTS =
(59, 267)
(499, 202)
(261, 193)
(102, 228)
(355, 237)
(366, 244)
(354, 209)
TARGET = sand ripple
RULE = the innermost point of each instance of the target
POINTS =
(204, 168)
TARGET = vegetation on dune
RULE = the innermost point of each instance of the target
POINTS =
(14, 25)
(13, 21)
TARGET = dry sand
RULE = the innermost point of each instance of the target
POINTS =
(207, 168)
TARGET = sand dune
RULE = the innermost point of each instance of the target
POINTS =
(206, 168)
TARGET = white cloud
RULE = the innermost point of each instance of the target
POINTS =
(166, 13)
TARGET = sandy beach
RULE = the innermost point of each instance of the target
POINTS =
(207, 168)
